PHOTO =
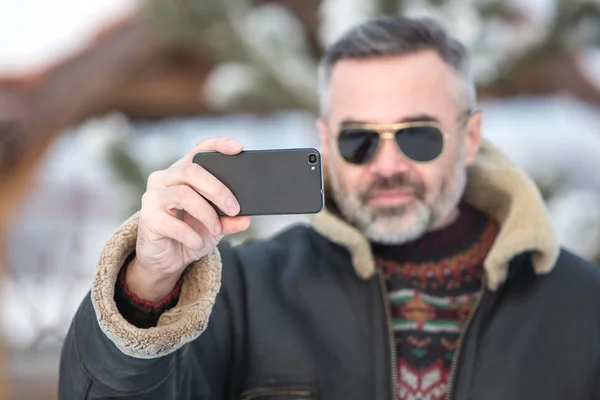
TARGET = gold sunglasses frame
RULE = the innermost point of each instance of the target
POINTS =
(388, 132)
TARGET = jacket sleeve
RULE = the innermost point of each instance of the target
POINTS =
(104, 356)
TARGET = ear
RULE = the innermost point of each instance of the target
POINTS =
(323, 135)
(473, 137)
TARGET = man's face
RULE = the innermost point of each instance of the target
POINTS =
(391, 198)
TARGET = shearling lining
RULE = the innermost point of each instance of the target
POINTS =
(180, 325)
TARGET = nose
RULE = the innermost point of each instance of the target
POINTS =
(389, 161)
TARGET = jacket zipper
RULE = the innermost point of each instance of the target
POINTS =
(266, 393)
(391, 336)
(463, 332)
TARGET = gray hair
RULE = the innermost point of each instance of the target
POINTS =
(396, 36)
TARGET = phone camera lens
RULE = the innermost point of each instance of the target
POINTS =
(312, 158)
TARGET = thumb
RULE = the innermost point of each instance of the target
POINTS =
(232, 225)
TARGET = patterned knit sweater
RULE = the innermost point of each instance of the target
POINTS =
(433, 283)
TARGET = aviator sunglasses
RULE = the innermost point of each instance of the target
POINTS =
(420, 141)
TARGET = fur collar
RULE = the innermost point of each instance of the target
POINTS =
(495, 186)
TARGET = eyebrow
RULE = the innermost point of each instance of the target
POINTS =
(412, 118)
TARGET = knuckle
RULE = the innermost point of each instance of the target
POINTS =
(180, 193)
(214, 187)
(148, 199)
(189, 170)
(223, 192)
(154, 178)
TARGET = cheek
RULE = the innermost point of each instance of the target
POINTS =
(442, 171)
(433, 175)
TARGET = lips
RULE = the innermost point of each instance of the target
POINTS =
(392, 196)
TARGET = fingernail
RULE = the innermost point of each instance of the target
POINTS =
(234, 144)
(232, 206)
(218, 228)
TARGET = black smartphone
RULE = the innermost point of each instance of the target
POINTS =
(270, 182)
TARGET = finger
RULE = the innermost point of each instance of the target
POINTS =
(232, 225)
(204, 183)
(155, 181)
(168, 226)
(197, 225)
(222, 144)
(182, 197)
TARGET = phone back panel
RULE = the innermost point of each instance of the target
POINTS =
(269, 182)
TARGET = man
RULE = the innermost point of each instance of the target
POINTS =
(434, 270)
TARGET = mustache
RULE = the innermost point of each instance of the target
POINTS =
(398, 181)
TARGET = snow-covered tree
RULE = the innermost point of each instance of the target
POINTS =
(268, 55)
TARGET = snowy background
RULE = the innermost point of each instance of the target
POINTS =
(82, 192)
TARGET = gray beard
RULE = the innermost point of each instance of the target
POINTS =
(404, 223)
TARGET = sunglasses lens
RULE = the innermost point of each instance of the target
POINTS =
(421, 143)
(358, 146)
